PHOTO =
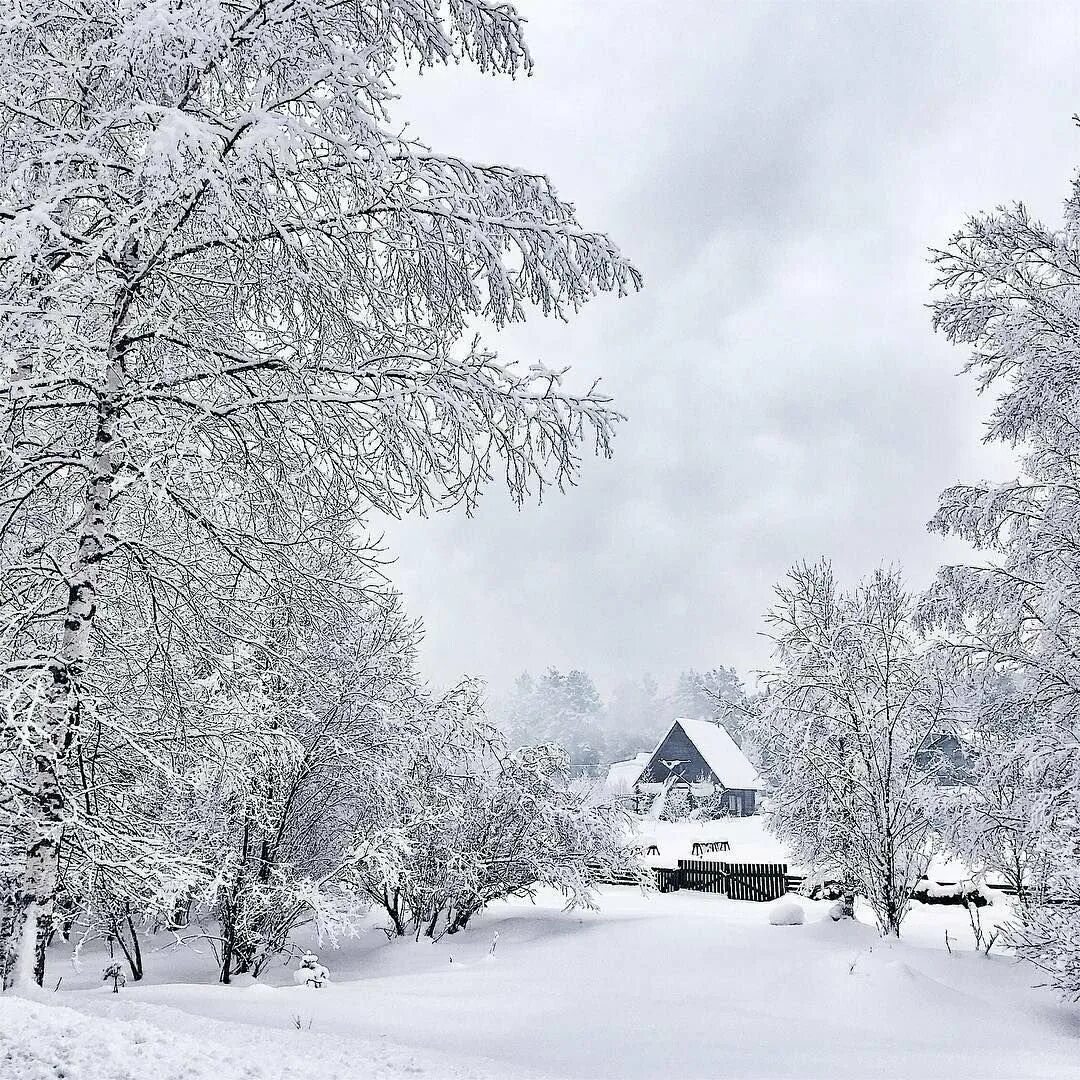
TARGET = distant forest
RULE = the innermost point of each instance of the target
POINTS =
(567, 709)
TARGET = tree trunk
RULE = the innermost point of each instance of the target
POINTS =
(37, 893)
(227, 945)
(429, 930)
(180, 914)
(132, 953)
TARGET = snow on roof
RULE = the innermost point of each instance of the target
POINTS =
(623, 775)
(721, 754)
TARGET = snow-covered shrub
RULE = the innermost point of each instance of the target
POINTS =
(478, 822)
(311, 972)
(711, 807)
(677, 804)
(844, 908)
(786, 913)
(821, 888)
(1048, 935)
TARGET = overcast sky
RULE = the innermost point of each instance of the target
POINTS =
(777, 171)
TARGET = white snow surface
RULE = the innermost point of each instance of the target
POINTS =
(718, 749)
(651, 986)
(124, 1038)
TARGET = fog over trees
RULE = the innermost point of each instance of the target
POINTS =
(567, 709)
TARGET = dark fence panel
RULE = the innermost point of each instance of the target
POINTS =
(738, 881)
(666, 880)
(701, 875)
(756, 881)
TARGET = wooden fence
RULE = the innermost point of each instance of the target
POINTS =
(702, 875)
(754, 881)
(746, 881)
(738, 881)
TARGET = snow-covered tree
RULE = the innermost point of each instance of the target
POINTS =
(715, 694)
(990, 816)
(234, 295)
(849, 703)
(698, 695)
(1009, 290)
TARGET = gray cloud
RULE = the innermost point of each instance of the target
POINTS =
(778, 171)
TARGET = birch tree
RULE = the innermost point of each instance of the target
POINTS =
(1008, 290)
(231, 293)
(850, 701)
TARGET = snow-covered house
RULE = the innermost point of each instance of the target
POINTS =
(700, 756)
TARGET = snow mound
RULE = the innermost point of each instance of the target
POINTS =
(786, 913)
(139, 1041)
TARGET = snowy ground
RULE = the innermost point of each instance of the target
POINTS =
(684, 984)
(749, 838)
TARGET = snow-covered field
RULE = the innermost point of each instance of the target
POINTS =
(684, 984)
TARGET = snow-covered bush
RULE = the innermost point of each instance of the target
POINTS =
(478, 822)
(311, 972)
(677, 804)
(819, 887)
(786, 913)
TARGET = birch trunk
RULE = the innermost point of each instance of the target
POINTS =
(36, 896)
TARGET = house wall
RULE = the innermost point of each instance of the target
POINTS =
(946, 759)
(740, 802)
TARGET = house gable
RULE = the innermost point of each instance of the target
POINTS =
(677, 757)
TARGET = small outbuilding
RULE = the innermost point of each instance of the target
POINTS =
(701, 757)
